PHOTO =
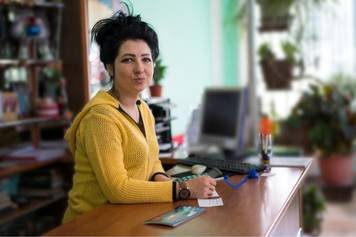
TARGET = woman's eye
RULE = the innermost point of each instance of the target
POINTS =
(127, 60)
(147, 60)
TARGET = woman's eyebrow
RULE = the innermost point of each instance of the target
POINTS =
(128, 54)
(133, 55)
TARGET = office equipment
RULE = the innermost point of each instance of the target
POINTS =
(184, 176)
(198, 169)
(222, 120)
(161, 110)
(230, 165)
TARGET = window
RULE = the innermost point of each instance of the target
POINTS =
(328, 47)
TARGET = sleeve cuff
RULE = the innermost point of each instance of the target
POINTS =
(154, 175)
(174, 191)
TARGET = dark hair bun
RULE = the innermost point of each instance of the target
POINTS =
(110, 33)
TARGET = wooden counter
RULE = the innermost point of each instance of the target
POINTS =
(264, 207)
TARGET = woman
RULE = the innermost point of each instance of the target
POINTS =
(113, 138)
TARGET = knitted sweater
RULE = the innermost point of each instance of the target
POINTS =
(114, 161)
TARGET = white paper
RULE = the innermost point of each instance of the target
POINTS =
(215, 194)
(211, 202)
(269, 174)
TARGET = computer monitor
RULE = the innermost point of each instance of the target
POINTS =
(222, 118)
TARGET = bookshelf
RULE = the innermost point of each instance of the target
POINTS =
(32, 89)
(33, 102)
(31, 207)
(17, 167)
(35, 121)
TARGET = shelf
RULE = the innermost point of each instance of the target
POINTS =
(157, 100)
(39, 5)
(16, 167)
(11, 166)
(33, 206)
(31, 121)
(159, 120)
(162, 129)
(29, 62)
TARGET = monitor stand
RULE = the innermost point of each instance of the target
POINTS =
(228, 153)
(203, 149)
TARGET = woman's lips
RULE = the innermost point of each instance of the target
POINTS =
(139, 80)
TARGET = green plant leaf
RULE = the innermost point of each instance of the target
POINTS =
(159, 71)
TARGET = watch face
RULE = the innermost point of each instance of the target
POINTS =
(184, 193)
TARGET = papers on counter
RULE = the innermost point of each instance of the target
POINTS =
(214, 201)
(211, 202)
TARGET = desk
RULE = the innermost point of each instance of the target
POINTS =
(264, 207)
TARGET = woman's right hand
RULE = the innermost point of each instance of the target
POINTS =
(201, 187)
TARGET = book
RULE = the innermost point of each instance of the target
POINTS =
(10, 106)
(177, 216)
(40, 192)
(29, 153)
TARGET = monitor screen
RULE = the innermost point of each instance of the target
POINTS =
(222, 117)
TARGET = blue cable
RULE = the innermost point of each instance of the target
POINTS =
(252, 174)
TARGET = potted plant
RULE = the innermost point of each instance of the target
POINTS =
(278, 73)
(277, 15)
(313, 207)
(328, 110)
(158, 75)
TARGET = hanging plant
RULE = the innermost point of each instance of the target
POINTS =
(278, 72)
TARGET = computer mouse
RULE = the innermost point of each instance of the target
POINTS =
(198, 169)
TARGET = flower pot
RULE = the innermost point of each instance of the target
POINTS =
(156, 90)
(275, 15)
(275, 23)
(277, 74)
(336, 170)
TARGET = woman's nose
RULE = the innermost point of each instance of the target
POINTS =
(139, 67)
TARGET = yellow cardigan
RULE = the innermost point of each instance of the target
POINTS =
(114, 161)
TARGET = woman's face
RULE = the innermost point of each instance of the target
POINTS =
(133, 67)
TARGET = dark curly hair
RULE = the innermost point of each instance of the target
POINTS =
(110, 33)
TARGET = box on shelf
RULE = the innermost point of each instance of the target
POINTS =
(10, 106)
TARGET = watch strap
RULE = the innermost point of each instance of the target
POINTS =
(184, 192)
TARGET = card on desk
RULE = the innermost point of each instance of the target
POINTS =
(177, 216)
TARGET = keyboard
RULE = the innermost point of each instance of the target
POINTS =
(229, 165)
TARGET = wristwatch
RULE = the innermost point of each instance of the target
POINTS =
(184, 192)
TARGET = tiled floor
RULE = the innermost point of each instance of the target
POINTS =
(340, 218)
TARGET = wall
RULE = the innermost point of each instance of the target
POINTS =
(187, 33)
(230, 42)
